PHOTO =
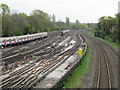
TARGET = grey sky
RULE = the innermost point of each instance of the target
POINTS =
(83, 10)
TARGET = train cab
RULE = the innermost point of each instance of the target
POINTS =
(61, 33)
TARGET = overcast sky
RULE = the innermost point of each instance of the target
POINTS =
(86, 11)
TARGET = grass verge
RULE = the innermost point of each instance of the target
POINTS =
(74, 80)
(114, 45)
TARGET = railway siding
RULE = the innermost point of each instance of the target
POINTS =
(59, 74)
(36, 71)
(30, 74)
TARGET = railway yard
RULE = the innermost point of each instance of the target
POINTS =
(44, 62)
(29, 63)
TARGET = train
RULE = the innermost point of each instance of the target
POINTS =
(64, 32)
(15, 40)
(7, 41)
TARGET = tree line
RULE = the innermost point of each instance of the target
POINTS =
(14, 24)
(108, 28)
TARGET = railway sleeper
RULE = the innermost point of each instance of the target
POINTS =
(5, 84)
(15, 82)
(30, 81)
(18, 84)
(27, 79)
(9, 79)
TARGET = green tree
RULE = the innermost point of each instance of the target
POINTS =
(107, 28)
(67, 22)
(4, 9)
(77, 24)
(118, 26)
(61, 25)
(53, 18)
(21, 24)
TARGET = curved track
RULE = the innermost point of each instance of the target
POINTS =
(107, 71)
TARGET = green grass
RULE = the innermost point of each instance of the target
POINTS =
(74, 80)
(114, 45)
(91, 33)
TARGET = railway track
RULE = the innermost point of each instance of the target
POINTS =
(42, 52)
(112, 60)
(41, 66)
(27, 46)
(107, 70)
(33, 48)
(103, 71)
(24, 47)
(65, 56)
(34, 72)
